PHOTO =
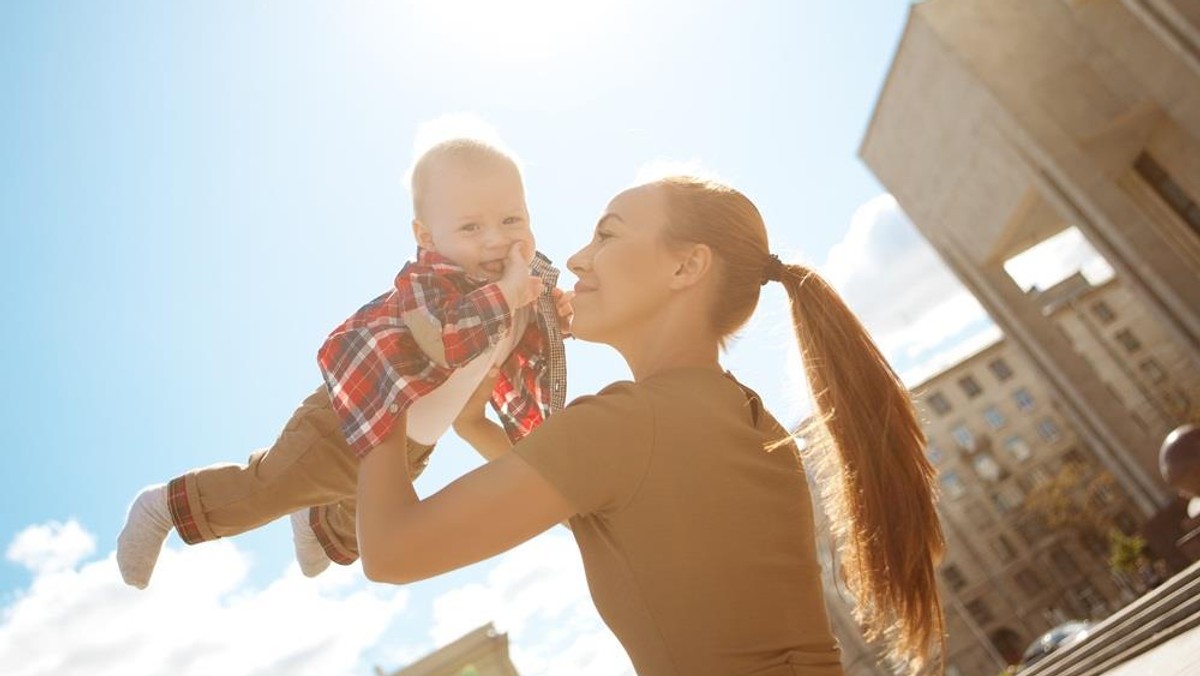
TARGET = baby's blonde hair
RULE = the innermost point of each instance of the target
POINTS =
(459, 137)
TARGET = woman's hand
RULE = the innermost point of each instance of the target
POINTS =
(566, 311)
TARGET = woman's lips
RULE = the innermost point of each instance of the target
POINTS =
(580, 287)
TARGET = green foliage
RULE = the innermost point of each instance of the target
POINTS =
(1125, 551)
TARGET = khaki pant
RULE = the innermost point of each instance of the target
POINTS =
(310, 465)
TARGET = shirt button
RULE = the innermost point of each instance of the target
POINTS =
(394, 408)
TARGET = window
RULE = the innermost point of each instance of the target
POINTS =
(934, 452)
(1103, 312)
(1074, 456)
(1177, 402)
(1103, 493)
(1127, 340)
(1171, 192)
(1126, 523)
(952, 484)
(1007, 499)
(987, 468)
(1152, 370)
(962, 435)
(1039, 476)
(978, 515)
(1023, 398)
(970, 386)
(1029, 582)
(1017, 448)
(1004, 548)
(1000, 369)
(1048, 429)
(1031, 530)
(980, 612)
(1064, 562)
(937, 401)
(953, 577)
(994, 417)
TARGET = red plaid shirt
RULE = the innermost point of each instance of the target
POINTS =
(405, 343)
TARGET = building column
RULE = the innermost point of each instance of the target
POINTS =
(1121, 445)
(1127, 237)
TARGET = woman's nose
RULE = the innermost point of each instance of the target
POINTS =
(576, 262)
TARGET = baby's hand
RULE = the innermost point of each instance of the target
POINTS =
(518, 286)
(562, 301)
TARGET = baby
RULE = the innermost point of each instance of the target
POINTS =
(473, 303)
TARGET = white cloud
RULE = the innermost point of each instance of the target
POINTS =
(51, 547)
(538, 595)
(898, 285)
(198, 616)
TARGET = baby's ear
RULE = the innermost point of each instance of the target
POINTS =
(422, 234)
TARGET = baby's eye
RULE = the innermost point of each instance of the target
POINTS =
(513, 220)
(470, 227)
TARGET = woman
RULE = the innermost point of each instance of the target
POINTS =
(686, 498)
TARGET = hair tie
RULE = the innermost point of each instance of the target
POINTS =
(773, 270)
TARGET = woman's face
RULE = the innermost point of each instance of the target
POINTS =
(625, 271)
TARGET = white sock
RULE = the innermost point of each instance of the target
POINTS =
(309, 553)
(141, 539)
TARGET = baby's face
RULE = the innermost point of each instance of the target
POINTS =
(472, 213)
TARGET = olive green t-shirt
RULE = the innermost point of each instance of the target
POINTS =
(697, 542)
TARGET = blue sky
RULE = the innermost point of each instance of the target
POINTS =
(193, 194)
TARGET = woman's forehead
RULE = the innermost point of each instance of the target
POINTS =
(643, 204)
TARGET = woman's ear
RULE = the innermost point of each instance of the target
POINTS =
(693, 265)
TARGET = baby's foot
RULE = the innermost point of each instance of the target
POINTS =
(309, 553)
(141, 539)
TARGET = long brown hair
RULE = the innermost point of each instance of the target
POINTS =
(880, 492)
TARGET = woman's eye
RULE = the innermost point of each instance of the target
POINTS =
(602, 235)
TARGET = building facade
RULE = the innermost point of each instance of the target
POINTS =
(1010, 468)
(483, 652)
(1001, 124)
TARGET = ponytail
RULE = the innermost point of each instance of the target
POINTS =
(879, 487)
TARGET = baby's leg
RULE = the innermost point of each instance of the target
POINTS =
(141, 539)
(309, 464)
(333, 527)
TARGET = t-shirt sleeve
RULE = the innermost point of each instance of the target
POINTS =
(597, 450)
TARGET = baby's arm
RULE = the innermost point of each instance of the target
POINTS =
(472, 425)
(454, 329)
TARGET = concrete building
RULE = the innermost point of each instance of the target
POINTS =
(1001, 124)
(483, 652)
(999, 441)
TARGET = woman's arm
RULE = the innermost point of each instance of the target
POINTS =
(473, 426)
(402, 538)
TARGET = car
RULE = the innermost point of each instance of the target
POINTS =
(1060, 636)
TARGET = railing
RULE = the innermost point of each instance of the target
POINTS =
(1158, 616)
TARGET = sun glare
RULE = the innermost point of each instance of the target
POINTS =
(518, 31)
